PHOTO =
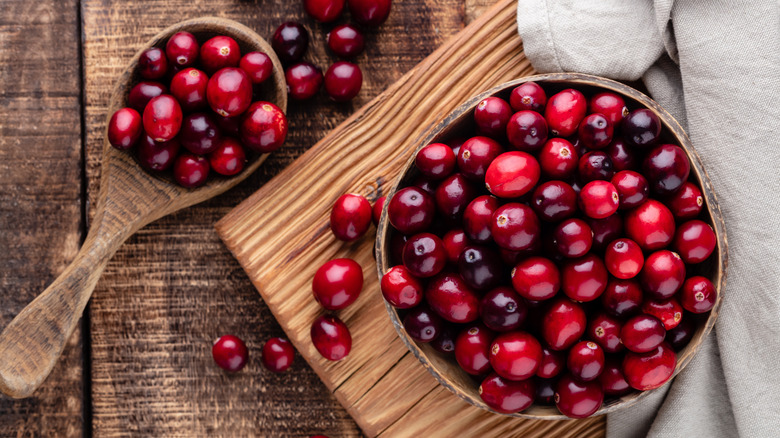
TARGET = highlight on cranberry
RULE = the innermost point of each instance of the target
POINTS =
(556, 253)
(230, 353)
(193, 111)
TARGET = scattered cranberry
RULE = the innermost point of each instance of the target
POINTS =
(258, 66)
(515, 227)
(478, 217)
(564, 111)
(694, 241)
(199, 133)
(642, 128)
(182, 49)
(278, 354)
(528, 96)
(152, 64)
(585, 361)
(290, 41)
(304, 80)
(663, 274)
(450, 297)
(435, 160)
(230, 353)
(422, 324)
(157, 156)
(563, 324)
(475, 156)
(343, 81)
(612, 380)
(512, 174)
(650, 370)
(667, 168)
(599, 199)
(595, 131)
(595, 165)
(558, 158)
(610, 105)
(229, 92)
(633, 189)
(642, 333)
(472, 349)
(400, 288)
(264, 127)
(219, 52)
(455, 241)
(346, 40)
(142, 93)
(506, 396)
(584, 279)
(515, 355)
(491, 116)
(228, 158)
(424, 255)
(481, 267)
(502, 309)
(668, 311)
(573, 238)
(536, 278)
(350, 217)
(453, 195)
(189, 88)
(411, 210)
(577, 399)
(605, 330)
(125, 128)
(324, 11)
(162, 118)
(698, 295)
(651, 225)
(527, 131)
(331, 337)
(622, 298)
(337, 283)
(687, 202)
(369, 12)
(552, 363)
(624, 258)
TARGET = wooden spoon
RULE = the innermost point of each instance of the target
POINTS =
(129, 198)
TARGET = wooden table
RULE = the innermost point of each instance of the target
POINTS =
(140, 363)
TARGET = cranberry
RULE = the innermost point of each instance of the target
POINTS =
(229, 125)
(595, 131)
(585, 361)
(694, 241)
(264, 127)
(622, 297)
(536, 278)
(558, 158)
(668, 311)
(650, 370)
(679, 336)
(199, 133)
(445, 341)
(350, 217)
(545, 391)
(124, 128)
(303, 80)
(527, 131)
(230, 353)
(554, 201)
(633, 189)
(290, 41)
(515, 227)
(577, 399)
(515, 355)
(411, 210)
(610, 105)
(426, 184)
(337, 283)
(258, 66)
(687, 202)
(472, 349)
(612, 380)
(142, 93)
(642, 128)
(229, 92)
(599, 199)
(369, 12)
(435, 160)
(584, 279)
(481, 267)
(478, 217)
(698, 295)
(422, 325)
(528, 96)
(605, 330)
(642, 333)
(343, 81)
(491, 116)
(564, 112)
(624, 258)
(453, 195)
(424, 255)
(324, 11)
(605, 230)
(667, 168)
(512, 174)
(622, 156)
(663, 274)
(595, 165)
(552, 363)
(455, 241)
(450, 297)
(228, 158)
(346, 41)
(573, 238)
(278, 354)
(507, 396)
(157, 156)
(502, 309)
(400, 288)
(475, 156)
(219, 52)
(189, 88)
(376, 210)
(651, 225)
(331, 337)
(563, 324)
(182, 49)
(162, 118)
(152, 64)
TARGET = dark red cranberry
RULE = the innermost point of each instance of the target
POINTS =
(558, 158)
(491, 116)
(453, 195)
(264, 127)
(189, 88)
(153, 64)
(573, 238)
(337, 283)
(610, 105)
(698, 295)
(445, 341)
(475, 156)
(536, 278)
(668, 311)
(595, 131)
(502, 309)
(622, 156)
(512, 174)
(612, 380)
(595, 165)
(545, 391)
(455, 144)
(512, 258)
(584, 279)
(142, 93)
(563, 324)
(450, 297)
(229, 92)
(605, 330)
(324, 11)
(641, 128)
(369, 12)
(162, 118)
(424, 255)
(480, 267)
(400, 288)
(472, 349)
(426, 184)
(350, 217)
(343, 81)
(663, 274)
(624, 258)
(622, 298)
(199, 133)
(667, 168)
(331, 337)
(219, 52)
(605, 230)
(646, 371)
(478, 217)
(528, 96)
(435, 160)
(633, 189)
(564, 111)
(422, 325)
(515, 227)
(278, 354)
(585, 361)
(579, 146)
(687, 202)
(507, 396)
(577, 399)
(125, 128)
(258, 66)
(290, 41)
(694, 241)
(527, 131)
(157, 156)
(554, 201)
(228, 158)
(376, 210)
(599, 199)
(346, 41)
(230, 126)
(230, 353)
(552, 363)
(651, 225)
(303, 80)
(515, 355)
(681, 335)
(182, 49)
(455, 241)
(642, 333)
(411, 210)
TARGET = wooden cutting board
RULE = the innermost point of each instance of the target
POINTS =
(280, 235)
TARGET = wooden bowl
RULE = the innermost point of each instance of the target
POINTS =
(458, 124)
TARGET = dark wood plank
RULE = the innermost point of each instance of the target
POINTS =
(40, 191)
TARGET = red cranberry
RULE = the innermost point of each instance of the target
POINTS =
(324, 11)
(182, 49)
(633, 189)
(595, 165)
(577, 399)
(667, 168)
(694, 241)
(424, 255)
(331, 337)
(478, 217)
(515, 355)
(669, 311)
(152, 64)
(228, 158)
(303, 80)
(376, 210)
(599, 199)
(124, 128)
(612, 380)
(162, 118)
(573, 238)
(663, 274)
(679, 336)
(435, 160)
(622, 156)
(605, 330)
(512, 174)
(527, 131)
(278, 354)
(264, 127)
(343, 81)
(624, 258)
(687, 202)
(450, 297)
(584, 279)
(595, 131)
(475, 156)
(507, 396)
(585, 361)
(536, 278)
(411, 210)
(642, 128)
(219, 52)
(651, 225)
(622, 297)
(698, 295)
(646, 371)
(346, 41)
(605, 230)
(369, 12)
(563, 324)
(229, 92)
(453, 195)
(491, 116)
(455, 241)
(528, 96)
(258, 66)
(157, 156)
(610, 105)
(558, 158)
(554, 201)
(189, 88)
(290, 41)
(642, 333)
(400, 288)
(199, 133)
(350, 217)
(502, 309)
(515, 227)
(481, 267)
(142, 93)
(423, 325)
(564, 112)
(337, 283)
(445, 341)
(229, 125)
(230, 353)
(552, 363)
(472, 349)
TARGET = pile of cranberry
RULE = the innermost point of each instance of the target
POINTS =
(555, 253)
(194, 109)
